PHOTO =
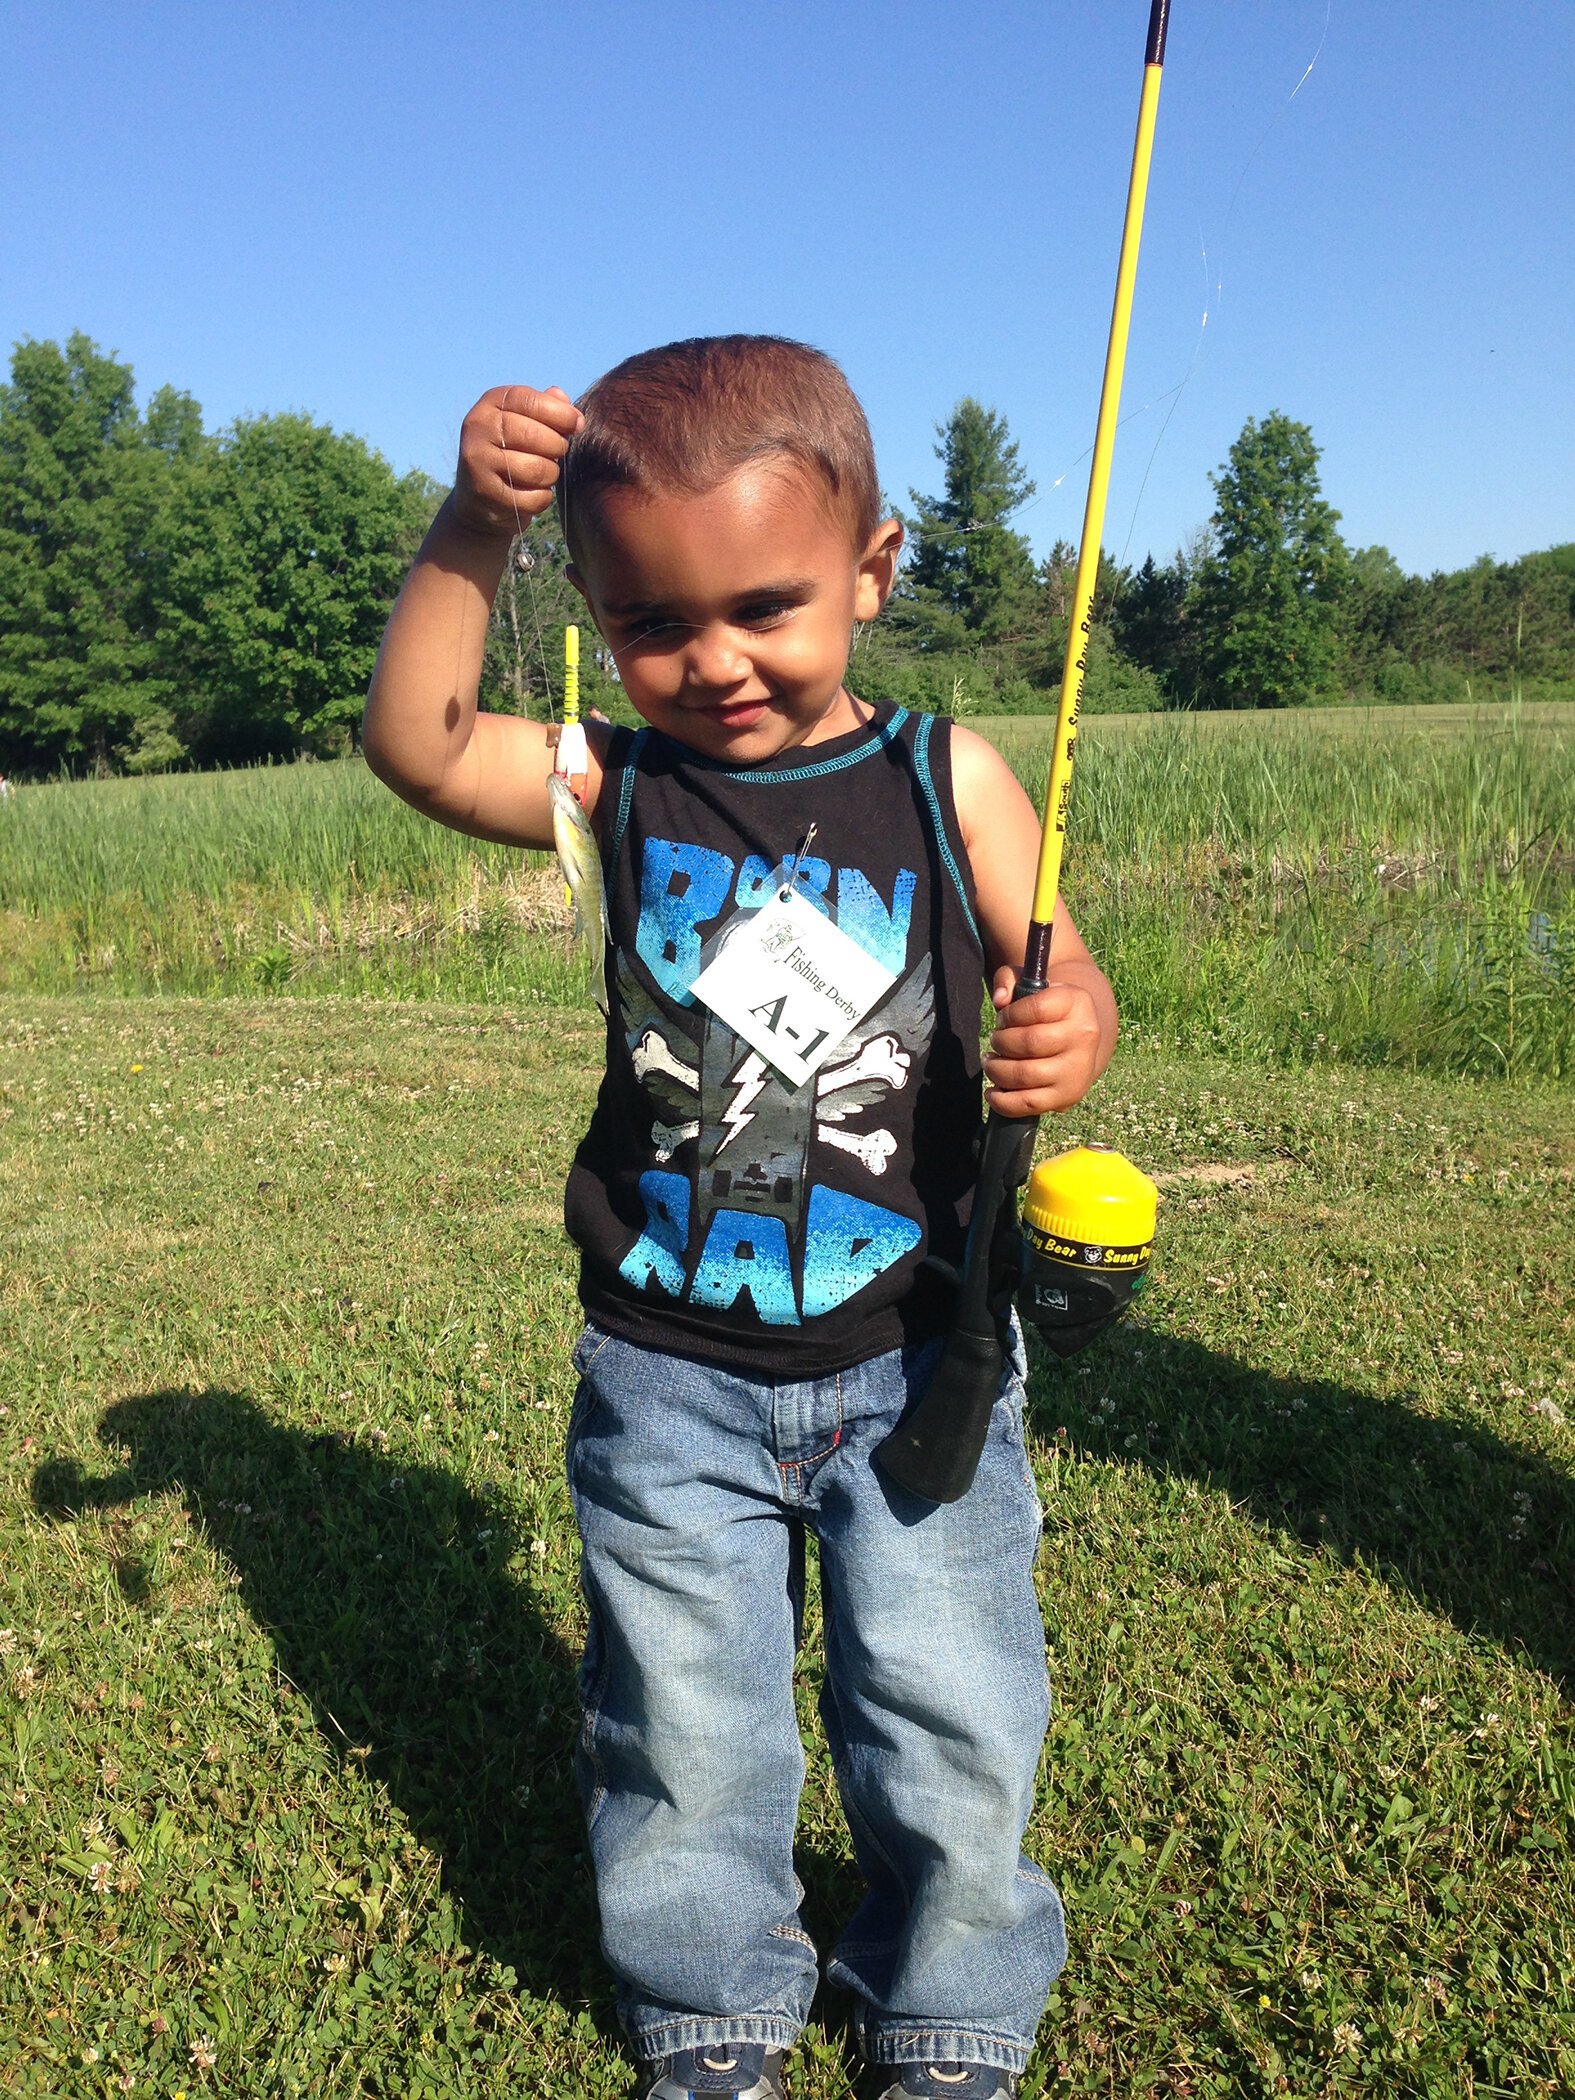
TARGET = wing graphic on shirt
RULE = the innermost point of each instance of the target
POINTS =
(875, 1061)
(879, 1054)
(666, 1071)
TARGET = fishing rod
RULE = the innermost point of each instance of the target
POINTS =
(1082, 1247)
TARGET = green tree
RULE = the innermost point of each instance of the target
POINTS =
(1057, 578)
(287, 555)
(1267, 598)
(1044, 659)
(1148, 618)
(1378, 614)
(1413, 638)
(87, 492)
(969, 577)
(1504, 619)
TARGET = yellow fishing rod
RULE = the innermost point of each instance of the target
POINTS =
(1089, 1217)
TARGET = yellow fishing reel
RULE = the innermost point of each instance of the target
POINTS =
(1087, 1228)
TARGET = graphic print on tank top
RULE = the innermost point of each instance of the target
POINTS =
(762, 1225)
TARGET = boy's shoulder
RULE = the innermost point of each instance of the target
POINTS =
(982, 781)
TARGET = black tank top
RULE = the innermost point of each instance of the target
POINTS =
(720, 1212)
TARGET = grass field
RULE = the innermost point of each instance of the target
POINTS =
(288, 1578)
(1429, 721)
(1381, 886)
(288, 1607)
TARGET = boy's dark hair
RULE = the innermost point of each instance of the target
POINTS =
(686, 416)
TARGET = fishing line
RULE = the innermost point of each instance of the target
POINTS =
(1175, 403)
(529, 565)
(521, 562)
(1218, 288)
(1213, 295)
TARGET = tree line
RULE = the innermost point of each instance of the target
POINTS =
(175, 597)
(1265, 606)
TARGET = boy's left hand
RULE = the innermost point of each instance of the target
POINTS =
(1044, 1054)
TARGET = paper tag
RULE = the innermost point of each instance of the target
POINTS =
(792, 984)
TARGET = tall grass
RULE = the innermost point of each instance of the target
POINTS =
(1293, 889)
(278, 878)
(1392, 886)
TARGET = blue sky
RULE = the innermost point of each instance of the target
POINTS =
(371, 213)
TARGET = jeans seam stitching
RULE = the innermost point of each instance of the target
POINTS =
(600, 1346)
(776, 2029)
(584, 1399)
(590, 1715)
(797, 1465)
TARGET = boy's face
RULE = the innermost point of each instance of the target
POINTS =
(730, 613)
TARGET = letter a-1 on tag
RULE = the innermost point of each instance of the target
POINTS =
(792, 984)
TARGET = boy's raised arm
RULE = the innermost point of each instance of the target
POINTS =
(422, 732)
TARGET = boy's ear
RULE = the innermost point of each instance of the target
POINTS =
(877, 569)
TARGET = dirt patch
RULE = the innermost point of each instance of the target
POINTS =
(1225, 1173)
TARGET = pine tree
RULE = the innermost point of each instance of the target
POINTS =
(1150, 625)
(1267, 597)
(970, 578)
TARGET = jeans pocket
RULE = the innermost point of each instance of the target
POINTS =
(592, 1341)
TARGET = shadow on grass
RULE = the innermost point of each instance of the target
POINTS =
(1471, 1526)
(386, 1592)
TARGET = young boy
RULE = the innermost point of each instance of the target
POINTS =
(757, 1204)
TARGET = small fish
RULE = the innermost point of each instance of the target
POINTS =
(580, 859)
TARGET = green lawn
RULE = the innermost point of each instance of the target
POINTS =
(289, 1612)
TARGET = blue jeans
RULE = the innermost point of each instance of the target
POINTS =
(690, 1486)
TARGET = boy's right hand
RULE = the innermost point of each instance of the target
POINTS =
(509, 449)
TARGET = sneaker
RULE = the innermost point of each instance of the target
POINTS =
(950, 2081)
(743, 2069)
